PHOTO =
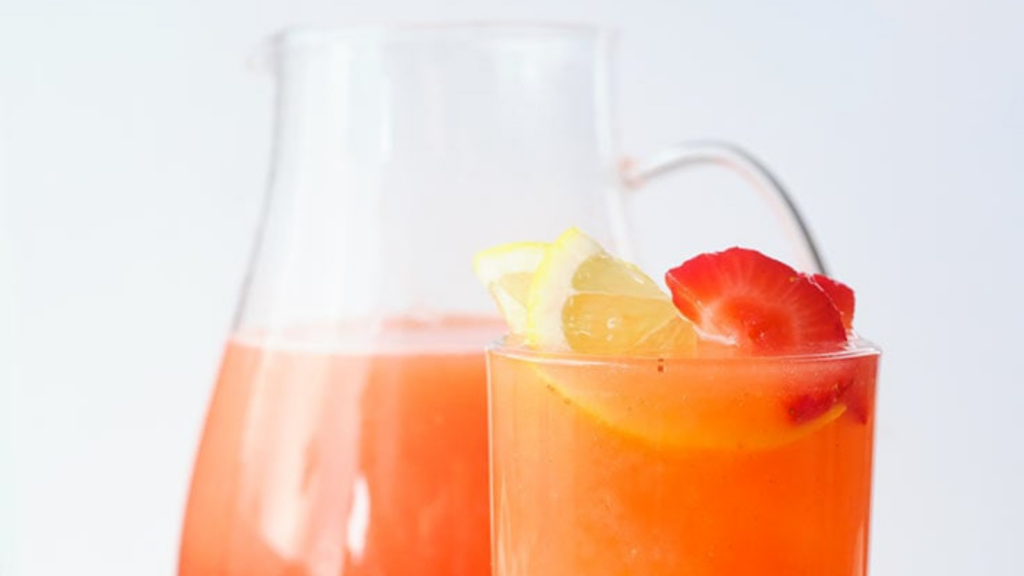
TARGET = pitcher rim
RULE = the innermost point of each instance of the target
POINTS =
(302, 35)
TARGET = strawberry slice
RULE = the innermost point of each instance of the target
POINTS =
(841, 295)
(856, 399)
(757, 303)
(851, 383)
(807, 407)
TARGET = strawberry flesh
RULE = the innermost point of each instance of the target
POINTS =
(759, 304)
(841, 295)
(807, 407)
(856, 399)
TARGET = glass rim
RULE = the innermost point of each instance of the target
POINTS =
(857, 347)
(399, 31)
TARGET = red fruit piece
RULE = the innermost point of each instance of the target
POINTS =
(841, 295)
(808, 407)
(851, 391)
(757, 303)
(855, 398)
(859, 395)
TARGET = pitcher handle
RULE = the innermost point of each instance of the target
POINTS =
(744, 164)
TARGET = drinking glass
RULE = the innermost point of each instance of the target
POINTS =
(347, 433)
(681, 466)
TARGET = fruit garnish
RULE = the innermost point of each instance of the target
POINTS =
(572, 295)
(684, 404)
(507, 272)
(809, 406)
(855, 397)
(847, 387)
(755, 303)
(586, 300)
(841, 295)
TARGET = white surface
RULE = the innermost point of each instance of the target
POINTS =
(136, 145)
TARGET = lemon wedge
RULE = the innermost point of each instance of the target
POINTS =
(572, 295)
(581, 298)
(507, 272)
(679, 403)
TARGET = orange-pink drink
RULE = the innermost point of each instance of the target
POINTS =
(722, 429)
(327, 458)
(685, 467)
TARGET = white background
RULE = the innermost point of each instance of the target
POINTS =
(133, 146)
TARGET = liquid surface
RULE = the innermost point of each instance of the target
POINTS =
(689, 468)
(327, 453)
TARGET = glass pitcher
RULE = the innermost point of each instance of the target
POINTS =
(348, 430)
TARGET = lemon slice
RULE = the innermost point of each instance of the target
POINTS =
(507, 272)
(572, 295)
(584, 299)
(679, 403)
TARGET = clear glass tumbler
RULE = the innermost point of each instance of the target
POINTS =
(603, 466)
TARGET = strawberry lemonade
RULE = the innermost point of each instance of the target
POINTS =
(724, 429)
(326, 453)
